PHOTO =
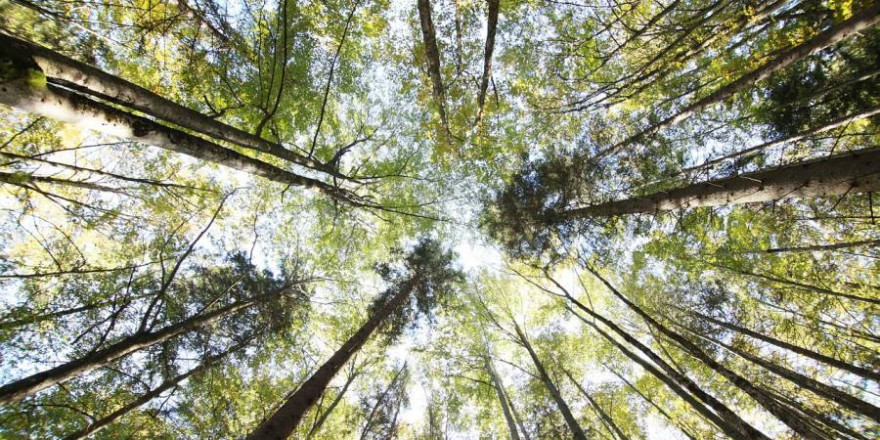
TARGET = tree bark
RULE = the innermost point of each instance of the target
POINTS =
(62, 105)
(502, 399)
(854, 172)
(516, 416)
(90, 80)
(863, 372)
(577, 431)
(818, 388)
(800, 285)
(492, 19)
(379, 401)
(285, 419)
(432, 53)
(791, 418)
(729, 422)
(609, 422)
(839, 122)
(30, 385)
(860, 20)
(323, 418)
(653, 404)
(818, 247)
(107, 420)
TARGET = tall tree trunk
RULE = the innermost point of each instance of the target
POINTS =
(729, 422)
(432, 53)
(818, 247)
(860, 20)
(516, 416)
(459, 47)
(792, 419)
(609, 422)
(798, 284)
(854, 172)
(34, 319)
(25, 180)
(492, 19)
(502, 399)
(827, 360)
(53, 102)
(576, 430)
(107, 420)
(379, 401)
(90, 80)
(286, 418)
(316, 427)
(654, 405)
(839, 122)
(818, 388)
(32, 384)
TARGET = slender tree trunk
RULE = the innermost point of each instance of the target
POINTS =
(487, 57)
(286, 418)
(654, 405)
(818, 388)
(323, 418)
(379, 401)
(107, 420)
(729, 422)
(516, 416)
(502, 399)
(839, 122)
(459, 47)
(818, 247)
(32, 384)
(576, 429)
(609, 422)
(854, 172)
(62, 105)
(87, 79)
(24, 180)
(863, 372)
(861, 20)
(432, 53)
(8, 325)
(791, 418)
(798, 284)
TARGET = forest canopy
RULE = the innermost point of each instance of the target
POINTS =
(432, 220)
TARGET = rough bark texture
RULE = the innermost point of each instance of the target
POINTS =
(84, 78)
(487, 57)
(827, 360)
(576, 430)
(285, 419)
(854, 172)
(860, 20)
(62, 105)
(34, 383)
(432, 53)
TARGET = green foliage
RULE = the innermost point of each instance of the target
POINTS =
(104, 238)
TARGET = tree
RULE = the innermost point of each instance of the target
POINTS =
(425, 274)
(663, 215)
